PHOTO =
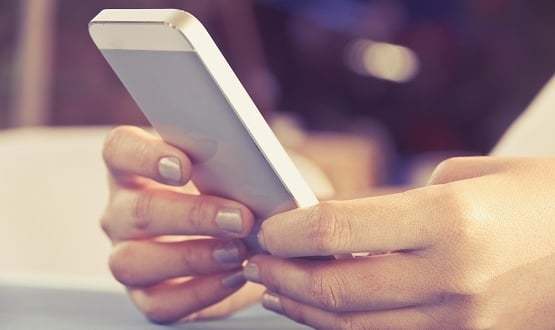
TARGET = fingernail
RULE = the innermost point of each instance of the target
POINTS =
(170, 170)
(272, 302)
(229, 253)
(251, 272)
(234, 280)
(230, 220)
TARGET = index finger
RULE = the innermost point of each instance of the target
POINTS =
(348, 285)
(406, 221)
(131, 151)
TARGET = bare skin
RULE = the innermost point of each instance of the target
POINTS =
(196, 273)
(473, 249)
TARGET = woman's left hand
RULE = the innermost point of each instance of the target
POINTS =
(474, 249)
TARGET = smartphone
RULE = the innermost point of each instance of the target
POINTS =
(182, 83)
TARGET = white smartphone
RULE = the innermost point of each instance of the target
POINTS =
(180, 80)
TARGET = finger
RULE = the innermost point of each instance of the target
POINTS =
(406, 221)
(246, 296)
(173, 301)
(136, 214)
(362, 284)
(131, 151)
(145, 263)
(405, 318)
(465, 168)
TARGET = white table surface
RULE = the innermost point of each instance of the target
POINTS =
(53, 255)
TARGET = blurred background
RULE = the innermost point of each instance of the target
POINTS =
(416, 77)
(364, 93)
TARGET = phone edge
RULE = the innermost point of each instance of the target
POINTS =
(229, 85)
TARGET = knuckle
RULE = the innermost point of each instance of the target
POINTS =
(105, 224)
(474, 314)
(120, 261)
(198, 296)
(143, 156)
(120, 214)
(113, 142)
(190, 260)
(348, 323)
(463, 230)
(269, 277)
(325, 289)
(154, 310)
(124, 140)
(107, 218)
(444, 171)
(456, 204)
(296, 313)
(200, 212)
(468, 286)
(327, 232)
(453, 200)
(142, 209)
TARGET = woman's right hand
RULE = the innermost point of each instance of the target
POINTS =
(182, 276)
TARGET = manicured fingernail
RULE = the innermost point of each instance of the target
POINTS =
(272, 302)
(229, 253)
(251, 272)
(170, 170)
(234, 280)
(230, 220)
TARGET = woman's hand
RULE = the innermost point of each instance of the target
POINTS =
(474, 249)
(170, 279)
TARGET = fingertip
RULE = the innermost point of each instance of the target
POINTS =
(251, 271)
(131, 151)
(272, 301)
(230, 254)
(174, 169)
(266, 233)
(235, 220)
(261, 240)
(112, 143)
(265, 270)
(234, 281)
(156, 311)
(248, 220)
